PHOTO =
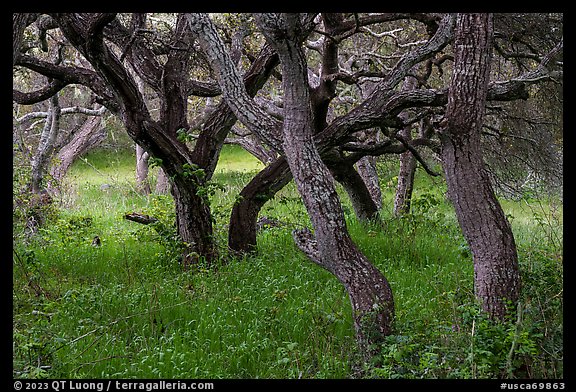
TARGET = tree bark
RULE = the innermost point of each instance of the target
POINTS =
(234, 91)
(46, 146)
(263, 187)
(367, 170)
(360, 194)
(253, 146)
(142, 156)
(193, 213)
(142, 182)
(162, 184)
(403, 197)
(330, 246)
(194, 223)
(355, 186)
(90, 135)
(19, 23)
(483, 223)
(269, 181)
(367, 165)
(220, 121)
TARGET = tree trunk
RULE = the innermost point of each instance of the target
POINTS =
(142, 183)
(46, 145)
(194, 223)
(158, 138)
(330, 246)
(193, 214)
(344, 172)
(18, 25)
(483, 223)
(242, 230)
(162, 184)
(403, 197)
(367, 170)
(263, 187)
(367, 165)
(142, 156)
(88, 137)
(364, 204)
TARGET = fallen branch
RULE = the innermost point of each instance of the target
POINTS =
(140, 218)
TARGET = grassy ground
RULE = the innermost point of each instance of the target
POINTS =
(126, 310)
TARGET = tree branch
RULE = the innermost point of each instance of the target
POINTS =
(248, 112)
(416, 155)
(64, 111)
(140, 218)
(431, 20)
(39, 95)
(62, 76)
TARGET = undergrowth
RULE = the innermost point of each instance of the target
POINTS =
(126, 309)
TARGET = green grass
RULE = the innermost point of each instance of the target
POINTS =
(127, 310)
(234, 159)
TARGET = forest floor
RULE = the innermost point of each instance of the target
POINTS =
(126, 309)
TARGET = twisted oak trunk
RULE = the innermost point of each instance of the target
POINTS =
(483, 223)
(330, 246)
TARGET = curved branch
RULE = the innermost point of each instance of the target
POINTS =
(416, 155)
(352, 78)
(62, 76)
(248, 112)
(99, 55)
(439, 40)
(39, 95)
(144, 130)
(431, 20)
(307, 243)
